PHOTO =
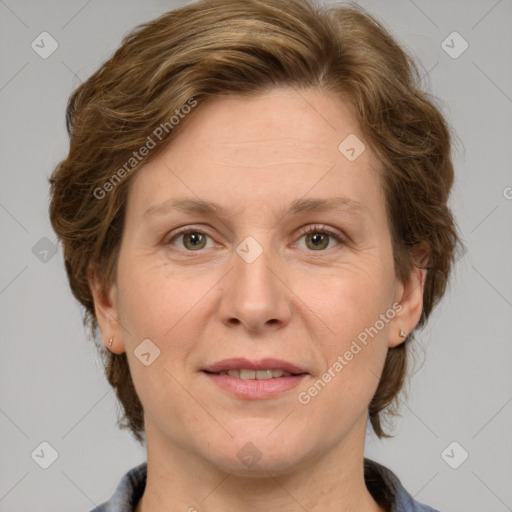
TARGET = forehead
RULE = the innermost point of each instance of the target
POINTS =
(283, 121)
(284, 144)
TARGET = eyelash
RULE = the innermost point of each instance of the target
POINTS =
(314, 228)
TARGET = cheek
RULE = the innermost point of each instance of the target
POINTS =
(157, 307)
(346, 301)
(353, 312)
(169, 309)
(152, 300)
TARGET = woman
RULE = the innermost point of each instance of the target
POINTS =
(253, 213)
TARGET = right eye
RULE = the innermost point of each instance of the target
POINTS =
(193, 239)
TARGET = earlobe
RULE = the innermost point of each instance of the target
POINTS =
(106, 311)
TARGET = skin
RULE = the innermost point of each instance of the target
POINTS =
(295, 302)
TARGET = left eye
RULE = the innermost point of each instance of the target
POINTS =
(316, 237)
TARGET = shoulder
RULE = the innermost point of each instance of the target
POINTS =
(388, 491)
(128, 492)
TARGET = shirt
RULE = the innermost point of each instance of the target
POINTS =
(382, 483)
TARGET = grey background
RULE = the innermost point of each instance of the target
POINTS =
(52, 386)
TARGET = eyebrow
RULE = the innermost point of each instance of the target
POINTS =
(191, 205)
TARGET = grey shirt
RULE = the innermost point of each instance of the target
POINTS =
(382, 483)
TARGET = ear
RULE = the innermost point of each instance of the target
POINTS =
(409, 295)
(106, 310)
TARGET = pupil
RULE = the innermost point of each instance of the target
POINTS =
(194, 239)
(317, 238)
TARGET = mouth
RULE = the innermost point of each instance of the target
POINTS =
(255, 379)
(246, 369)
(247, 374)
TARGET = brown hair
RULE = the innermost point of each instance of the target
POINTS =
(230, 47)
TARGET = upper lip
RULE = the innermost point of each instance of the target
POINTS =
(239, 363)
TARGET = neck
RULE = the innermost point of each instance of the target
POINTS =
(331, 482)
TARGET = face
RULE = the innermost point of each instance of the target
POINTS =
(290, 271)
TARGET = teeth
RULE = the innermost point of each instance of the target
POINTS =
(263, 374)
(246, 374)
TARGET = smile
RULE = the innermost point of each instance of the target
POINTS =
(245, 374)
(254, 380)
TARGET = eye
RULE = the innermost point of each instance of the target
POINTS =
(193, 239)
(317, 237)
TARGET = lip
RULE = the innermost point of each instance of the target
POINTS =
(254, 389)
(239, 363)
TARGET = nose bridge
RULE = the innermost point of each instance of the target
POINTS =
(256, 295)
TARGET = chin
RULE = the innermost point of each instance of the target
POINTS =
(275, 465)
(257, 456)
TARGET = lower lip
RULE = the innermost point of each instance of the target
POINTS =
(254, 388)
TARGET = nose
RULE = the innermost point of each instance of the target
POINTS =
(255, 294)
